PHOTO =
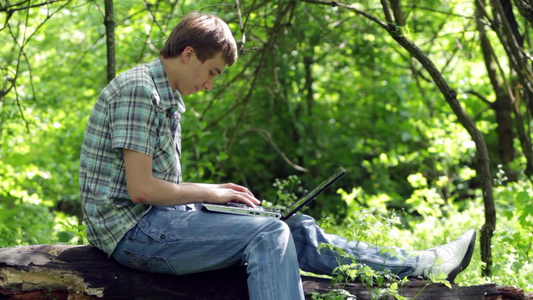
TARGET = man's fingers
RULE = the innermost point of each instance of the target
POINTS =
(244, 192)
(249, 200)
(231, 192)
(239, 188)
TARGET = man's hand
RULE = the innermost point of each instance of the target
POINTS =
(226, 192)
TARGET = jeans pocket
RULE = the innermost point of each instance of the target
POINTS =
(144, 262)
(155, 228)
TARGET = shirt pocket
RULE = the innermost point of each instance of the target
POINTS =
(164, 159)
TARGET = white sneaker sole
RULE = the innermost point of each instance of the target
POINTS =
(465, 261)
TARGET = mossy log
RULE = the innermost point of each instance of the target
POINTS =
(84, 272)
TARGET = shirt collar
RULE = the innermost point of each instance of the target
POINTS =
(169, 98)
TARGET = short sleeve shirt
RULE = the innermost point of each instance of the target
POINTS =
(137, 111)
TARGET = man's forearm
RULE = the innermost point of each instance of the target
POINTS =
(163, 193)
(144, 188)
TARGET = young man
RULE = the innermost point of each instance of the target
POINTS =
(138, 210)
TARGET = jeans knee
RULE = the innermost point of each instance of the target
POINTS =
(272, 245)
(279, 229)
(299, 220)
(301, 225)
(274, 234)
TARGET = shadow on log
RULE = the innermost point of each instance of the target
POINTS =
(84, 272)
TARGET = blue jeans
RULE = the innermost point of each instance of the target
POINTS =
(169, 240)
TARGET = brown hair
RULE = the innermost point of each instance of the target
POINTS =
(206, 34)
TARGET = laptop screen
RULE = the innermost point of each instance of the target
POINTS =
(324, 185)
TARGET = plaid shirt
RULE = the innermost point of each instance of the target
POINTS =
(137, 111)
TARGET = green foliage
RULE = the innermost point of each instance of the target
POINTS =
(287, 190)
(315, 87)
(26, 221)
(511, 243)
(380, 284)
(374, 227)
(334, 294)
(364, 225)
(26, 224)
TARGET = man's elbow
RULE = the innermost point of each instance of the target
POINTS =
(140, 200)
(139, 196)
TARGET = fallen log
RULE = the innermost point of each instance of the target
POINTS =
(84, 272)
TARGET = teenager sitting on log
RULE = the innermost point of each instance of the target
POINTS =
(138, 210)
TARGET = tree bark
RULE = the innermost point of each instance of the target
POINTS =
(109, 23)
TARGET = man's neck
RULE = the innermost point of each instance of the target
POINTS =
(171, 66)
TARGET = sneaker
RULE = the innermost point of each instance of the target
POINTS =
(452, 258)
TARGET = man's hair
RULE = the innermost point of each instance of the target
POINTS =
(206, 34)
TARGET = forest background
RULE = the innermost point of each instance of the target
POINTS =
(426, 104)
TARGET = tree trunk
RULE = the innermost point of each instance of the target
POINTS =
(109, 23)
(84, 272)
(502, 106)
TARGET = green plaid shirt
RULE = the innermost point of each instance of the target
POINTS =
(137, 111)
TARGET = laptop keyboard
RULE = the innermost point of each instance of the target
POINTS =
(237, 204)
(242, 205)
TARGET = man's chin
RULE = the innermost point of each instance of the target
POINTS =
(193, 92)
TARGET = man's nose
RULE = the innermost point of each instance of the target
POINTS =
(208, 85)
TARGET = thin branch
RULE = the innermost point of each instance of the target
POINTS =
(481, 97)
(268, 137)
(438, 11)
(241, 24)
(398, 13)
(31, 76)
(349, 7)
(5, 90)
(10, 9)
(152, 16)
(387, 11)
(215, 5)
(21, 111)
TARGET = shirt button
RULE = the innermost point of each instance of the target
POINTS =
(162, 236)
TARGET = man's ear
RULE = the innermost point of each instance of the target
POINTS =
(187, 54)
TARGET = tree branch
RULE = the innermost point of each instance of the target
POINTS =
(10, 9)
(268, 137)
(526, 9)
(349, 7)
(481, 97)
